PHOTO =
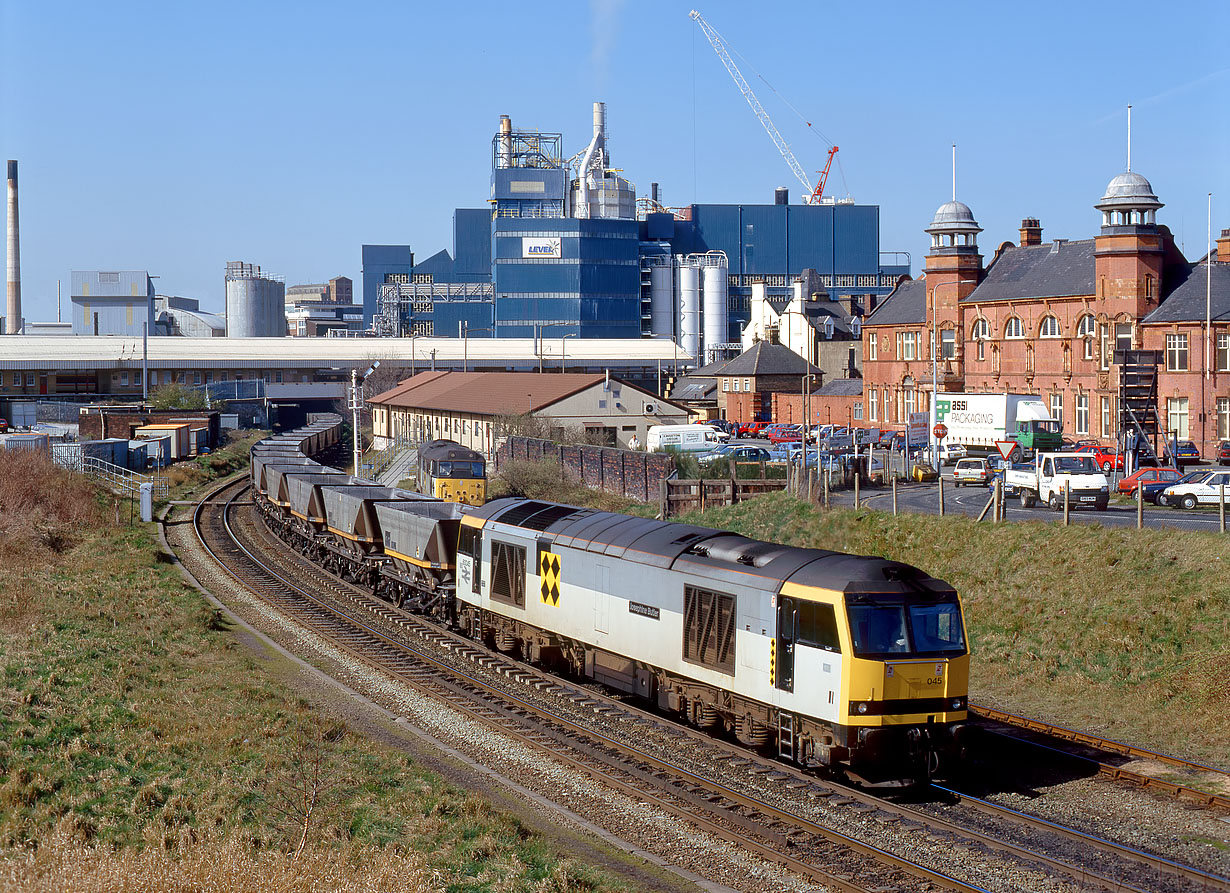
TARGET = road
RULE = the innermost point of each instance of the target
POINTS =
(924, 499)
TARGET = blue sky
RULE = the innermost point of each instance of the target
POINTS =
(175, 137)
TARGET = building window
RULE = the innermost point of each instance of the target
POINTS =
(277, 376)
(1223, 418)
(1107, 431)
(1082, 413)
(1057, 408)
(1123, 336)
(909, 400)
(16, 379)
(858, 410)
(29, 379)
(1015, 328)
(1085, 331)
(196, 377)
(1104, 344)
(948, 345)
(1223, 353)
(1176, 416)
(873, 404)
(725, 385)
(123, 379)
(907, 345)
(747, 385)
(1176, 353)
(872, 346)
(1049, 327)
(981, 330)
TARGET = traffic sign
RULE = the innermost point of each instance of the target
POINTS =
(940, 431)
(1005, 447)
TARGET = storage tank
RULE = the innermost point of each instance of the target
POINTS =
(255, 302)
(689, 308)
(661, 297)
(716, 303)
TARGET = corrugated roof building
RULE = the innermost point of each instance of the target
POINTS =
(476, 408)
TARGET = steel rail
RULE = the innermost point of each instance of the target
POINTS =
(805, 868)
(1109, 745)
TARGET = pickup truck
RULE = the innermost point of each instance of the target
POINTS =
(1050, 473)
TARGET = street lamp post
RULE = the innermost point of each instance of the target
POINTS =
(806, 401)
(561, 350)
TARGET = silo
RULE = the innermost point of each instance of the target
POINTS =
(255, 302)
(661, 297)
(689, 308)
(716, 301)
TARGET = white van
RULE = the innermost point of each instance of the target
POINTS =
(684, 438)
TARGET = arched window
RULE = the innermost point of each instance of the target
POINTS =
(981, 330)
(1014, 328)
(1049, 327)
(1085, 330)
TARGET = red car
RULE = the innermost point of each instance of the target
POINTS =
(1223, 453)
(1107, 457)
(1146, 476)
(786, 433)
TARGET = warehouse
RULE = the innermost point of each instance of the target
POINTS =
(474, 408)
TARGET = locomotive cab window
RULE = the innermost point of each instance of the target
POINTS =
(932, 628)
(817, 626)
(508, 573)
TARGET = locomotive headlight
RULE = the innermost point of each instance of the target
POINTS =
(862, 708)
(958, 703)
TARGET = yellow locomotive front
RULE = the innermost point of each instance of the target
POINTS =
(905, 693)
(452, 472)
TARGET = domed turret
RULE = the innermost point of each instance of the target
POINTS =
(954, 226)
(1129, 201)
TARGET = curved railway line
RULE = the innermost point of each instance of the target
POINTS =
(1109, 748)
(780, 814)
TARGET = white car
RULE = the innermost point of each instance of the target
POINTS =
(1203, 491)
(951, 452)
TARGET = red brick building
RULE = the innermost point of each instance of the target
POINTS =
(1047, 319)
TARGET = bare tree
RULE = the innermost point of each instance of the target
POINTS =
(306, 786)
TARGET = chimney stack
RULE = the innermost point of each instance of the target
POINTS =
(12, 324)
(781, 196)
(1031, 232)
(1223, 247)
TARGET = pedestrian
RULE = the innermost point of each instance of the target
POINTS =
(633, 443)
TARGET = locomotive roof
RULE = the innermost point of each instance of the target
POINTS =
(706, 550)
(449, 449)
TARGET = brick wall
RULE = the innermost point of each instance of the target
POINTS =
(629, 473)
(121, 422)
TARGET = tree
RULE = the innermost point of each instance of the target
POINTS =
(177, 396)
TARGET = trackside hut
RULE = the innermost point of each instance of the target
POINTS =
(467, 406)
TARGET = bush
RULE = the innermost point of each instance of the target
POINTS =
(42, 507)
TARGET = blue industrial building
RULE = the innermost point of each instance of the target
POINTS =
(566, 251)
(112, 303)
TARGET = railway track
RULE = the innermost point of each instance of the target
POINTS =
(1106, 748)
(782, 815)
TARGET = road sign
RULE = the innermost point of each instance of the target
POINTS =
(917, 431)
(940, 431)
(1005, 447)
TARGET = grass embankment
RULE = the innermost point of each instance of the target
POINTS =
(142, 749)
(1125, 632)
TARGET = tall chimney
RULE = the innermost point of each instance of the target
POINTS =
(1031, 232)
(1223, 246)
(505, 156)
(12, 324)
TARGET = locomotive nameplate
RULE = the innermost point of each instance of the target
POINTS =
(644, 610)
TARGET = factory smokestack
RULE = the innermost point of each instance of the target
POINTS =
(12, 323)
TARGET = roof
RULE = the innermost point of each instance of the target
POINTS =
(492, 393)
(1187, 302)
(1054, 270)
(842, 387)
(170, 352)
(905, 305)
(694, 389)
(767, 358)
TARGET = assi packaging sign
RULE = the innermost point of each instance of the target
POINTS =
(541, 247)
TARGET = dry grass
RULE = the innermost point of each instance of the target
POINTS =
(43, 509)
(140, 748)
(1120, 631)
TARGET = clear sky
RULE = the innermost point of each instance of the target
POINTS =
(174, 137)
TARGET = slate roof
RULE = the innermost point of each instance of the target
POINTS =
(842, 387)
(1187, 301)
(1054, 270)
(766, 358)
(694, 389)
(905, 305)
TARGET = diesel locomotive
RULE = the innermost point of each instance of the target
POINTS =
(833, 660)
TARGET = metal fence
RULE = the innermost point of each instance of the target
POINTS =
(114, 477)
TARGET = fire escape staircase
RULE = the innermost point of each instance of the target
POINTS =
(1138, 405)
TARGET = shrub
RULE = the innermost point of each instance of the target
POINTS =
(42, 507)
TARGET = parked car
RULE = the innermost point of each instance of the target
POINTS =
(972, 471)
(1186, 454)
(1204, 489)
(1145, 476)
(952, 452)
(1223, 453)
(738, 452)
(785, 433)
(1107, 457)
(752, 429)
(4, 425)
(1156, 492)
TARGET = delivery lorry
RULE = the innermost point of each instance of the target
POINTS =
(1053, 473)
(684, 438)
(979, 421)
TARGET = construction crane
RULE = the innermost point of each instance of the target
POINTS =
(811, 196)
